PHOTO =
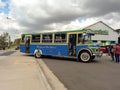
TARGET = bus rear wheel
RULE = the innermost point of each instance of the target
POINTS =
(84, 56)
(37, 54)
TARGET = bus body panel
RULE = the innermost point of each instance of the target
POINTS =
(57, 50)
(80, 47)
(22, 48)
(91, 47)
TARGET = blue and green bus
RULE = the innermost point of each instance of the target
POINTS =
(75, 43)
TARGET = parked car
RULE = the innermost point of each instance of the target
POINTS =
(103, 49)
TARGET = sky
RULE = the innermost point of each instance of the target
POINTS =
(28, 16)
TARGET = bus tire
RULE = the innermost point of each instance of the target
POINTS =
(37, 54)
(84, 56)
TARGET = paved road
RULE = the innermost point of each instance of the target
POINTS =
(102, 74)
(6, 52)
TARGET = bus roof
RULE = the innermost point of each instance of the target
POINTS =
(82, 31)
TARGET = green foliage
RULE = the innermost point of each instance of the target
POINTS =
(4, 39)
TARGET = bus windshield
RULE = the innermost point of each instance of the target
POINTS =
(87, 37)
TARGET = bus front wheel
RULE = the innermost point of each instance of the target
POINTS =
(84, 56)
(37, 54)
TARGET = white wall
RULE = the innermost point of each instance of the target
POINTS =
(112, 35)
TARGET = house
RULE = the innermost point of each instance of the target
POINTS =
(104, 34)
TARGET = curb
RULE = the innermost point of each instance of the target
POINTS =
(44, 79)
(51, 78)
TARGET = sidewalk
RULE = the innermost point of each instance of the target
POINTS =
(21, 72)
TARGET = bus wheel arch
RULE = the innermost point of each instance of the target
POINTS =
(84, 56)
(37, 53)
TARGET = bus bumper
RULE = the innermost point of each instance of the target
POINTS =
(98, 54)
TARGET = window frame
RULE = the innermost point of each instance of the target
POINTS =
(35, 41)
(61, 39)
(49, 41)
(82, 37)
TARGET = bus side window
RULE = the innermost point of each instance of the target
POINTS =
(47, 38)
(64, 37)
(23, 39)
(36, 38)
(80, 38)
(60, 38)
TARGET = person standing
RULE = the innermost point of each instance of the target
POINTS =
(108, 50)
(112, 52)
(117, 53)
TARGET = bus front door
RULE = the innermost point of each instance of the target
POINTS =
(72, 45)
(27, 44)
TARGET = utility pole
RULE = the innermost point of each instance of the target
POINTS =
(9, 39)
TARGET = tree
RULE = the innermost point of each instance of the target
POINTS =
(4, 40)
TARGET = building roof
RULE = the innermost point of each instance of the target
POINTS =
(117, 30)
(99, 22)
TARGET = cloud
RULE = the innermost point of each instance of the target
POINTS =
(47, 15)
(102, 7)
(41, 14)
(9, 26)
(2, 4)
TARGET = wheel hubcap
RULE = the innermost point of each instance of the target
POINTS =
(38, 54)
(85, 56)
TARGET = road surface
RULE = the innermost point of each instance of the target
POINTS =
(102, 74)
